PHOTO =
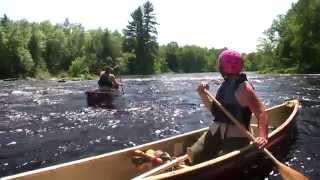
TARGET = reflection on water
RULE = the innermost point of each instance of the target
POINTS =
(43, 123)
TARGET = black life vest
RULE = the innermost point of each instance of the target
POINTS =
(226, 96)
(105, 81)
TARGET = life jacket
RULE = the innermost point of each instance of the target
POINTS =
(105, 81)
(226, 96)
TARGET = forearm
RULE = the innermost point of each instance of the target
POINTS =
(206, 100)
(116, 82)
(263, 124)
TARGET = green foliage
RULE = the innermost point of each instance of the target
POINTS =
(160, 64)
(251, 62)
(290, 45)
(78, 67)
(125, 61)
(212, 59)
(292, 42)
(25, 60)
(140, 39)
(192, 59)
(56, 52)
(29, 49)
(37, 47)
(41, 74)
(171, 56)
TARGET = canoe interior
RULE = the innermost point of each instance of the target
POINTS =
(117, 165)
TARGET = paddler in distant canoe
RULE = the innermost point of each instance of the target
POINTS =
(108, 80)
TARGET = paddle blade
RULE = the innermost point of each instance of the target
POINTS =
(290, 174)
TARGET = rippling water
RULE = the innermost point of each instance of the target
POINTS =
(43, 123)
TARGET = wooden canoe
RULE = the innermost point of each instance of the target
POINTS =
(97, 98)
(118, 165)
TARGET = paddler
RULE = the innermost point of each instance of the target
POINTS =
(108, 80)
(238, 96)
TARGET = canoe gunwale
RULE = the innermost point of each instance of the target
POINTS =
(288, 120)
(102, 156)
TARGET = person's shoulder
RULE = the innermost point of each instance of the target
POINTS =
(102, 73)
(246, 94)
(246, 87)
(112, 75)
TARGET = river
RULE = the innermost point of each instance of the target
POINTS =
(43, 123)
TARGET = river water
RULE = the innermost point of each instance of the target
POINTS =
(43, 123)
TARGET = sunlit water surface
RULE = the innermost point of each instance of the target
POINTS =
(43, 123)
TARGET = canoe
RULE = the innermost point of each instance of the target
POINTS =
(61, 80)
(97, 98)
(118, 165)
(10, 79)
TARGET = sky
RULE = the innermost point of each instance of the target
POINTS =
(236, 24)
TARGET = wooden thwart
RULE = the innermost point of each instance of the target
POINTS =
(162, 167)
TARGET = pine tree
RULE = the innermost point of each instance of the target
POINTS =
(141, 39)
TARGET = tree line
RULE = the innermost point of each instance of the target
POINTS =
(42, 50)
(292, 43)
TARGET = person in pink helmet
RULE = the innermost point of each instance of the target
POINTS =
(237, 95)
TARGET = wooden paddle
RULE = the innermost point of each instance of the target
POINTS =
(286, 172)
(121, 85)
(119, 75)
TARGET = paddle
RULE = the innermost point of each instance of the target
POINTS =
(122, 91)
(121, 85)
(286, 172)
(162, 167)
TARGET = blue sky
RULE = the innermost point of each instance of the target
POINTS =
(236, 24)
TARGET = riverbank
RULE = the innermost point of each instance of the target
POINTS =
(63, 77)
(59, 78)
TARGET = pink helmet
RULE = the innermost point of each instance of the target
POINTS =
(230, 62)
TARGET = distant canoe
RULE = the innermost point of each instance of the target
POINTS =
(10, 79)
(61, 80)
(97, 98)
(234, 165)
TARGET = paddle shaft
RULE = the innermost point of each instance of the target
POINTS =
(116, 66)
(285, 171)
(121, 84)
(232, 118)
(162, 167)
